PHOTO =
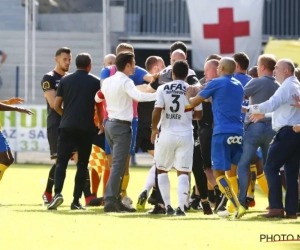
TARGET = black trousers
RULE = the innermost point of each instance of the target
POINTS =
(68, 140)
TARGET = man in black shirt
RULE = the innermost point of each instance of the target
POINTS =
(76, 92)
(49, 85)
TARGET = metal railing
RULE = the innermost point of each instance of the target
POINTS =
(281, 18)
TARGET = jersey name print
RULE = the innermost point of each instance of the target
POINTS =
(177, 113)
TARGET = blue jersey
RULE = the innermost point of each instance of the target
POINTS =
(227, 96)
(244, 79)
(137, 77)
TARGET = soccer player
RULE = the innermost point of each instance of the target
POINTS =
(174, 143)
(6, 157)
(227, 97)
(49, 85)
(140, 75)
(153, 64)
(109, 60)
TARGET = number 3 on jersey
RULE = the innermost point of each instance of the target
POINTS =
(176, 105)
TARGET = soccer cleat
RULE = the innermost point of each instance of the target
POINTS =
(124, 208)
(179, 212)
(128, 203)
(157, 210)
(220, 202)
(206, 208)
(47, 198)
(170, 210)
(239, 213)
(250, 202)
(152, 199)
(56, 202)
(224, 214)
(142, 201)
(88, 199)
(96, 202)
(77, 206)
(195, 203)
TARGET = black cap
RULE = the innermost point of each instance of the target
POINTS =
(192, 80)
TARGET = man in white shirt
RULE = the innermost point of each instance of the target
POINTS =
(119, 91)
(285, 147)
(175, 144)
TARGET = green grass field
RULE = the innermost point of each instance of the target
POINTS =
(25, 224)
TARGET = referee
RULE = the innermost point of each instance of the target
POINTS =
(76, 92)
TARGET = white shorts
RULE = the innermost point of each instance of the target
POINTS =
(174, 150)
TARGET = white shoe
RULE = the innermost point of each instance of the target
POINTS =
(127, 202)
(224, 213)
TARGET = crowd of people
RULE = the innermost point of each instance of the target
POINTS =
(232, 128)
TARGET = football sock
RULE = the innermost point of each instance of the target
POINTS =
(105, 179)
(2, 170)
(125, 182)
(251, 187)
(263, 184)
(182, 190)
(150, 181)
(164, 186)
(234, 184)
(226, 189)
(50, 181)
(95, 181)
(211, 196)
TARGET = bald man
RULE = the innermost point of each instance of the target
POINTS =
(109, 60)
(227, 96)
(285, 147)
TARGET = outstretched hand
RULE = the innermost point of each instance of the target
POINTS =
(26, 111)
(256, 117)
(297, 101)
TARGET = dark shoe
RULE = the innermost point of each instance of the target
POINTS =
(195, 204)
(142, 201)
(152, 199)
(88, 199)
(170, 210)
(56, 202)
(220, 202)
(113, 208)
(157, 210)
(250, 202)
(124, 208)
(291, 216)
(77, 206)
(273, 213)
(47, 198)
(179, 212)
(96, 202)
(206, 208)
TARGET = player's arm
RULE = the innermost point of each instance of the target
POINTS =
(251, 88)
(137, 95)
(156, 114)
(48, 86)
(195, 97)
(59, 98)
(5, 107)
(145, 88)
(99, 108)
(13, 100)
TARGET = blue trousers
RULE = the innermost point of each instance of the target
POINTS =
(256, 135)
(284, 150)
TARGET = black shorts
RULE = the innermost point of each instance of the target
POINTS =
(143, 138)
(205, 135)
(99, 140)
(52, 134)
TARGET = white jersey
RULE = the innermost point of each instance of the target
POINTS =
(177, 113)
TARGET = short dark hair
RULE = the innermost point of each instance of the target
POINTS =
(213, 56)
(297, 73)
(242, 59)
(123, 58)
(63, 50)
(83, 60)
(151, 61)
(180, 69)
(178, 45)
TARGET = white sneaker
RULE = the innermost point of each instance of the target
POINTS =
(127, 202)
(224, 213)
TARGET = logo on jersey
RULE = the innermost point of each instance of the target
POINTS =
(234, 140)
(46, 85)
(197, 142)
(56, 83)
(175, 88)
